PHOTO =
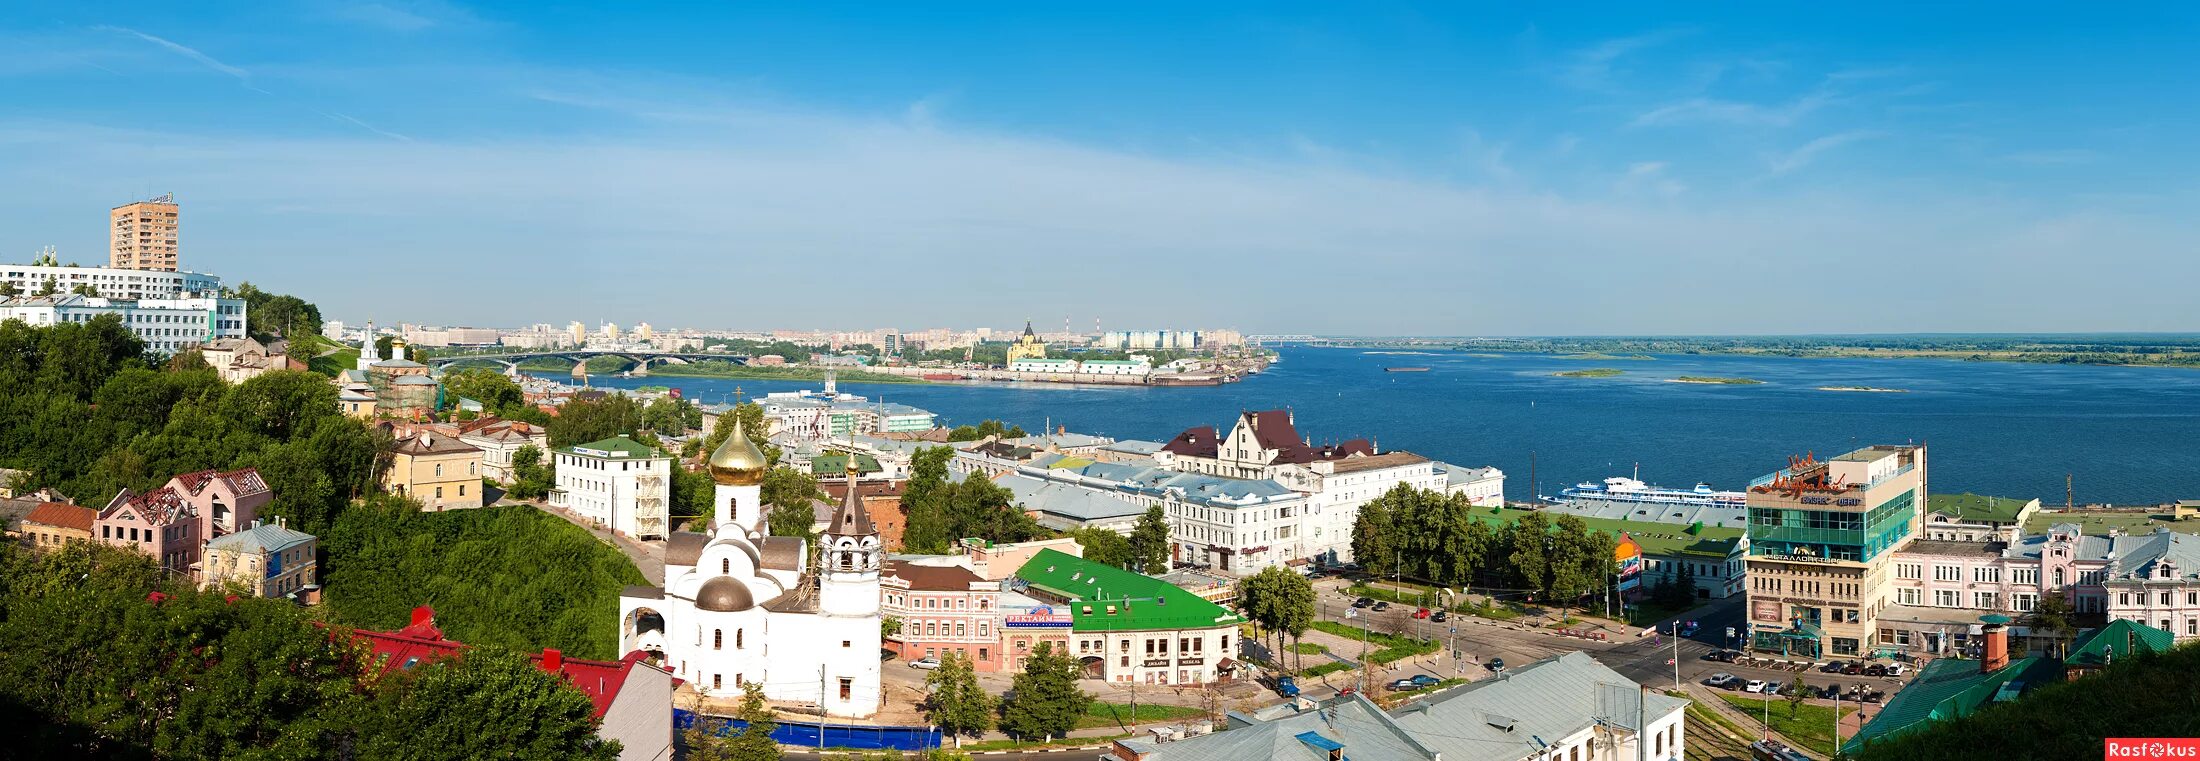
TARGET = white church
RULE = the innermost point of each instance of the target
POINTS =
(740, 606)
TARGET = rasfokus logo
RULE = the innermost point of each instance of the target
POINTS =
(2152, 748)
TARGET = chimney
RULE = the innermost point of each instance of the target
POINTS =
(552, 660)
(423, 615)
(1994, 653)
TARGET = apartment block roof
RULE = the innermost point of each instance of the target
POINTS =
(431, 444)
(1506, 716)
(1352, 725)
(262, 539)
(616, 447)
(1974, 508)
(62, 515)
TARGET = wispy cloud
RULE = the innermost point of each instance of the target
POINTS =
(352, 120)
(2062, 157)
(242, 76)
(1650, 176)
(1593, 67)
(398, 15)
(1808, 152)
(1733, 112)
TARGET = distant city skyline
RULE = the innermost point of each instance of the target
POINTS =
(1403, 170)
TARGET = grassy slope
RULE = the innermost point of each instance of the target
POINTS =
(1811, 725)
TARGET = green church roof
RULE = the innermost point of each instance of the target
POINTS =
(1105, 598)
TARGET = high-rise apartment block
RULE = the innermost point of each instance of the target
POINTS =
(1822, 537)
(143, 235)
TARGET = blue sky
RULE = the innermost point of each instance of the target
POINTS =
(1337, 168)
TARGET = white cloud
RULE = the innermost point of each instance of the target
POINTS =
(1594, 67)
(187, 52)
(1808, 152)
(1716, 111)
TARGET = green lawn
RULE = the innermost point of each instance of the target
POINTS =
(2098, 522)
(1324, 669)
(1427, 598)
(1811, 726)
(1119, 714)
(1388, 648)
(1307, 648)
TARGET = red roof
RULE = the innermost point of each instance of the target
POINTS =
(161, 507)
(422, 642)
(1200, 441)
(243, 481)
(62, 515)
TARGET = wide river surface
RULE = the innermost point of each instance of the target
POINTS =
(2128, 435)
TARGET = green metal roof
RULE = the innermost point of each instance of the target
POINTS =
(837, 464)
(619, 447)
(1948, 688)
(2119, 639)
(1660, 539)
(1138, 602)
(1974, 508)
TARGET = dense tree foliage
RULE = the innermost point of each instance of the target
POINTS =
(787, 494)
(954, 701)
(1150, 541)
(97, 666)
(508, 576)
(1443, 539)
(581, 421)
(274, 315)
(1279, 601)
(82, 411)
(1046, 700)
(672, 417)
(532, 474)
(941, 511)
(2149, 695)
(498, 395)
(751, 417)
(1104, 546)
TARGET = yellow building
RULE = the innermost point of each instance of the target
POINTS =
(1027, 346)
(440, 471)
(269, 559)
(143, 235)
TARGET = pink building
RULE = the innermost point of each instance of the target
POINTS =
(1940, 588)
(942, 609)
(174, 522)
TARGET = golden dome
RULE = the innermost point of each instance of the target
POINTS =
(738, 462)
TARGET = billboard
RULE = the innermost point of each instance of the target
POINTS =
(1627, 557)
(1039, 617)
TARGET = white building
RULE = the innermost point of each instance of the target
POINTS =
(1484, 486)
(1234, 525)
(1043, 365)
(111, 282)
(619, 483)
(499, 439)
(1135, 368)
(1336, 478)
(167, 325)
(742, 606)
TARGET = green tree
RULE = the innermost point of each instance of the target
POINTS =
(1373, 543)
(1047, 701)
(532, 477)
(755, 742)
(963, 433)
(2054, 614)
(486, 703)
(1571, 551)
(924, 499)
(889, 627)
(1279, 601)
(51, 287)
(1796, 694)
(581, 421)
(85, 289)
(8, 290)
(1104, 546)
(977, 507)
(998, 429)
(1530, 538)
(1150, 541)
(955, 702)
(787, 493)
(497, 394)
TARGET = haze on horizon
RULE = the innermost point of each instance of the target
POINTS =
(1376, 170)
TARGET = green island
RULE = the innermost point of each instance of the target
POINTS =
(1716, 380)
(1865, 389)
(2138, 349)
(1601, 372)
(1602, 355)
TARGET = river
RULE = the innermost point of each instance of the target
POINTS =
(2127, 435)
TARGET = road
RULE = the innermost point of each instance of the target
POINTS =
(1648, 660)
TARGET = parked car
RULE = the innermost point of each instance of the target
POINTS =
(1830, 691)
(1401, 685)
(1496, 665)
(1833, 667)
(1875, 670)
(1422, 613)
(1424, 680)
(1688, 629)
(1441, 616)
(1874, 696)
(1287, 686)
(1754, 685)
(1722, 656)
(926, 662)
(1721, 680)
(1363, 602)
(1897, 669)
(1382, 605)
(1853, 669)
(1774, 688)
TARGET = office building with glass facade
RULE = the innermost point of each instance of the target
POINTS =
(1821, 535)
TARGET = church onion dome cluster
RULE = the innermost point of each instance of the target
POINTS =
(738, 462)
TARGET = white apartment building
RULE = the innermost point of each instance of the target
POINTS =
(1484, 486)
(1336, 479)
(167, 325)
(618, 483)
(111, 282)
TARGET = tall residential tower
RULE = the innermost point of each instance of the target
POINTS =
(143, 235)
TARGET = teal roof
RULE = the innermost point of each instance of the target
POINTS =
(264, 538)
(616, 447)
(1948, 688)
(2119, 639)
(1105, 598)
